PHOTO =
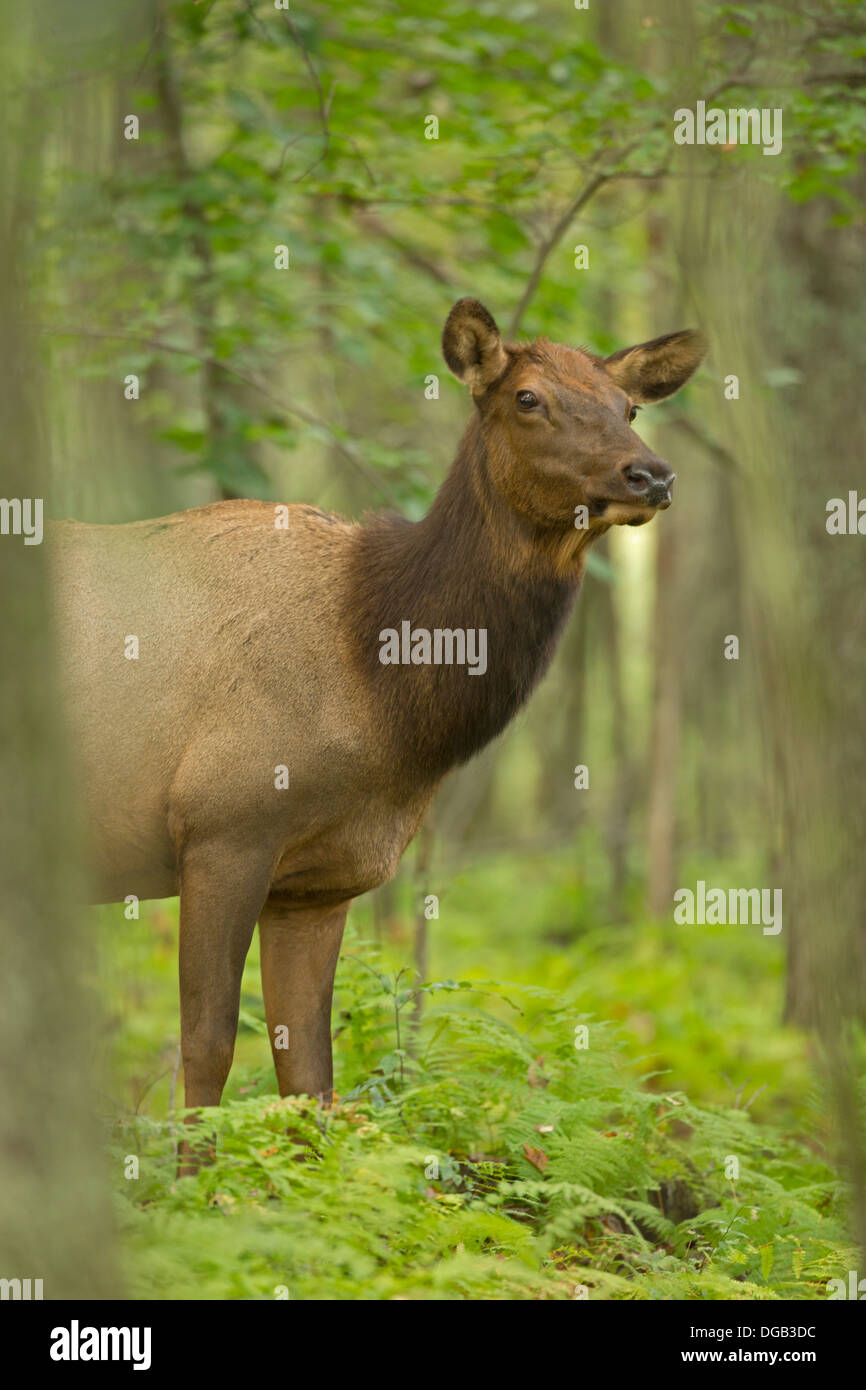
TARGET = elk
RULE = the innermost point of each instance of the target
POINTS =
(259, 757)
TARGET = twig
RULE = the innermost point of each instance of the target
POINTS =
(562, 225)
(550, 241)
(411, 255)
(324, 105)
(706, 440)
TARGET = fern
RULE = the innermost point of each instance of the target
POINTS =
(499, 1161)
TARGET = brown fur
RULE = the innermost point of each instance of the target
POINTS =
(652, 370)
(259, 647)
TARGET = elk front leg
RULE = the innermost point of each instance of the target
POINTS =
(299, 949)
(221, 896)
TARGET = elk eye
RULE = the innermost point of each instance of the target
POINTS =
(526, 400)
(632, 413)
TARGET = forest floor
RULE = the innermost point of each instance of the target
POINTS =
(612, 1111)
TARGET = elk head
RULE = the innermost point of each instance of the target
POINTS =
(557, 421)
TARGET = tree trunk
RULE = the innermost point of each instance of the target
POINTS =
(228, 453)
(55, 1214)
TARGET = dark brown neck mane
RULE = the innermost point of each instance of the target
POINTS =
(469, 563)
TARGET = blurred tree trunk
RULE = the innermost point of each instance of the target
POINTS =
(421, 934)
(617, 827)
(229, 455)
(667, 632)
(617, 830)
(802, 665)
(826, 352)
(55, 1213)
(665, 730)
(557, 720)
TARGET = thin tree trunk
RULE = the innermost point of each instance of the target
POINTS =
(617, 821)
(226, 450)
(665, 733)
(423, 860)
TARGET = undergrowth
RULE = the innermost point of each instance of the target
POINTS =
(513, 1147)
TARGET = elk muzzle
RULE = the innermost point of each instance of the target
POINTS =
(652, 484)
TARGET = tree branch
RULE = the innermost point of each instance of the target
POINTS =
(411, 255)
(550, 241)
(323, 104)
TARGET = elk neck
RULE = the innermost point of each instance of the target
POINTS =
(470, 563)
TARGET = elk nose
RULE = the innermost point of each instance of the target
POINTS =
(654, 486)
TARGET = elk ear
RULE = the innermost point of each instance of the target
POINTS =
(472, 345)
(651, 371)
